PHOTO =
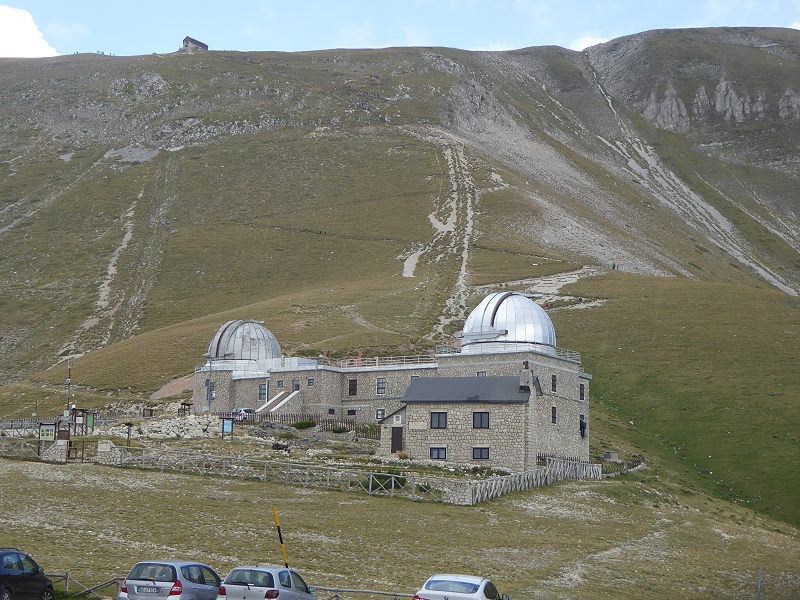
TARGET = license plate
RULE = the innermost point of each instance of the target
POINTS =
(147, 589)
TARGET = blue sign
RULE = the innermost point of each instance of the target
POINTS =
(227, 426)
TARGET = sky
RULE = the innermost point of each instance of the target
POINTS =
(32, 28)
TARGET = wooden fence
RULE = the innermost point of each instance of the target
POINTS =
(374, 483)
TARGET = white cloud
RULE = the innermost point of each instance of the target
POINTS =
(587, 40)
(19, 35)
(795, 25)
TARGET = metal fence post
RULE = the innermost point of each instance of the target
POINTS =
(760, 582)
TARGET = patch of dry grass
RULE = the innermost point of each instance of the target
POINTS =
(626, 538)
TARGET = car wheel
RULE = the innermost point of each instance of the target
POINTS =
(5, 594)
(47, 594)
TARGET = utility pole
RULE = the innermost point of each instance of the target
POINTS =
(68, 383)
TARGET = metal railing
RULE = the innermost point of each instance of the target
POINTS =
(377, 361)
(337, 593)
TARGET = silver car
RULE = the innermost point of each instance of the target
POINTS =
(176, 580)
(258, 583)
(458, 587)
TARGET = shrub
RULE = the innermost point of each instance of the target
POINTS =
(339, 430)
(286, 435)
(304, 424)
(402, 455)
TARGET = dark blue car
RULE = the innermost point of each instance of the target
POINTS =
(21, 578)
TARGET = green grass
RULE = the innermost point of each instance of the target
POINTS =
(707, 374)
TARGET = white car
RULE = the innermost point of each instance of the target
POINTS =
(264, 582)
(458, 587)
(243, 414)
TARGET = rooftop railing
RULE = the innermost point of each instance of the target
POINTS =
(377, 361)
(417, 359)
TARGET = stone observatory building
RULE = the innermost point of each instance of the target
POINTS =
(506, 397)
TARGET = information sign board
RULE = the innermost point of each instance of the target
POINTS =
(47, 432)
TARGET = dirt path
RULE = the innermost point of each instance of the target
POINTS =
(452, 220)
(358, 319)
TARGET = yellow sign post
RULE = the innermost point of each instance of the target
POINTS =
(280, 537)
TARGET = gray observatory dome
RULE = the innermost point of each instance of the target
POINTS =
(242, 345)
(508, 322)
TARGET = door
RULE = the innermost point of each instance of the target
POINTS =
(397, 439)
(285, 582)
(300, 587)
(211, 579)
(31, 578)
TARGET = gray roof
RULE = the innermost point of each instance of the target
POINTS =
(495, 390)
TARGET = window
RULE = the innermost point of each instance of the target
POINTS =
(11, 561)
(154, 571)
(397, 419)
(439, 453)
(351, 412)
(582, 425)
(28, 566)
(299, 584)
(480, 374)
(209, 578)
(262, 391)
(491, 592)
(310, 382)
(554, 383)
(552, 414)
(331, 411)
(582, 391)
(352, 387)
(295, 385)
(480, 454)
(193, 573)
(279, 383)
(250, 577)
(285, 579)
(480, 420)
(380, 386)
(438, 420)
(415, 377)
(380, 414)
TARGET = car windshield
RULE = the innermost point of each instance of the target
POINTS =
(458, 587)
(153, 572)
(250, 577)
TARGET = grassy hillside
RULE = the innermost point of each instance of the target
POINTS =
(706, 373)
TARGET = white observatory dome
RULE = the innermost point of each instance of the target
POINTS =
(508, 322)
(242, 345)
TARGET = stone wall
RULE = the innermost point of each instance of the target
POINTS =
(245, 394)
(192, 426)
(505, 437)
(56, 452)
(331, 390)
(223, 389)
(563, 438)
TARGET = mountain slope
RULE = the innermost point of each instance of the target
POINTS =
(364, 200)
